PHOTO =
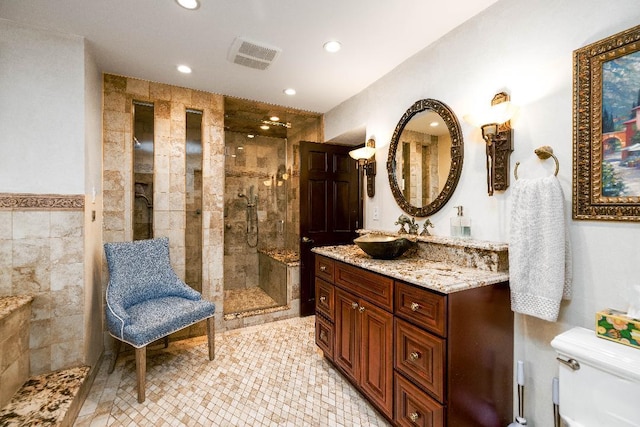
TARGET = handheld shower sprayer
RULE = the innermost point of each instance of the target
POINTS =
(252, 217)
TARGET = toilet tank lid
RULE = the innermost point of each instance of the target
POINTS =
(583, 345)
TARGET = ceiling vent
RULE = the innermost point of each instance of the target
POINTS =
(251, 54)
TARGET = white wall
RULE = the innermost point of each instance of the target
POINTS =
(41, 111)
(525, 48)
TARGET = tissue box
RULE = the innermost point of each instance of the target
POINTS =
(616, 326)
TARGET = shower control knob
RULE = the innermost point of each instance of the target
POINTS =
(414, 416)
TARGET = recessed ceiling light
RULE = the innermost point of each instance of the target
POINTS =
(290, 91)
(240, 148)
(433, 124)
(332, 46)
(274, 118)
(251, 135)
(189, 4)
(264, 127)
(185, 69)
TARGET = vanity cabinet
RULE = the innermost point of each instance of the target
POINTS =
(362, 325)
(423, 358)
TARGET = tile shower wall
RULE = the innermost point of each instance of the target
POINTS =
(42, 254)
(170, 204)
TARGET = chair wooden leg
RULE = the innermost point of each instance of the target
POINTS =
(116, 351)
(211, 333)
(141, 368)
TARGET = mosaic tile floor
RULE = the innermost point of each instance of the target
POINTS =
(249, 299)
(267, 375)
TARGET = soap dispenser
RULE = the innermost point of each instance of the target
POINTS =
(460, 225)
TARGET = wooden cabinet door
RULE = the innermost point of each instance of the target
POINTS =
(376, 346)
(347, 334)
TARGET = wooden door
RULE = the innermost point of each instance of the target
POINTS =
(347, 344)
(330, 207)
(376, 346)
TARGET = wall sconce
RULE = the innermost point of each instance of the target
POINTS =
(498, 135)
(366, 157)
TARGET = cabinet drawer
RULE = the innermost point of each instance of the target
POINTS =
(324, 336)
(414, 408)
(420, 356)
(422, 307)
(324, 298)
(370, 286)
(325, 268)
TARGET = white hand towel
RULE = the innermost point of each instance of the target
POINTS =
(539, 250)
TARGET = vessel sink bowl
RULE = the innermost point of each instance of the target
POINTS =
(383, 247)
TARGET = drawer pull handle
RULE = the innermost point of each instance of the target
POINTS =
(354, 305)
(414, 416)
(323, 268)
(323, 335)
(415, 306)
(323, 298)
(414, 356)
(361, 309)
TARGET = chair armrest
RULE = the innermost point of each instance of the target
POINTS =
(187, 291)
(116, 315)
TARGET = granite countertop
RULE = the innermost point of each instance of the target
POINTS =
(9, 304)
(444, 277)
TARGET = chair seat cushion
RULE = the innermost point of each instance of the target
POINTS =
(156, 318)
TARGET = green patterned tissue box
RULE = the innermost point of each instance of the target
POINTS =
(616, 326)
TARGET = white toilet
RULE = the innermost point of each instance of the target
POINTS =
(599, 380)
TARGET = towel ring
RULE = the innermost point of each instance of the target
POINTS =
(543, 153)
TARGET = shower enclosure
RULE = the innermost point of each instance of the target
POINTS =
(255, 214)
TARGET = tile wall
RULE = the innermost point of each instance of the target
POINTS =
(170, 200)
(42, 255)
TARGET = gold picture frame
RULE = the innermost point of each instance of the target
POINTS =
(606, 143)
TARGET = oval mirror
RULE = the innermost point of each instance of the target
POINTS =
(425, 157)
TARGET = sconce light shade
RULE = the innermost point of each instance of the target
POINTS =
(498, 135)
(496, 113)
(367, 161)
(362, 153)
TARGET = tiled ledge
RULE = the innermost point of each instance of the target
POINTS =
(290, 258)
(15, 313)
(50, 400)
(9, 304)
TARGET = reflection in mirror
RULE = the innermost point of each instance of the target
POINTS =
(143, 170)
(193, 214)
(425, 154)
(425, 157)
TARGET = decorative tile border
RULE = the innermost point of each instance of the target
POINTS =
(18, 201)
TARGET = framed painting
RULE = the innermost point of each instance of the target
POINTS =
(606, 129)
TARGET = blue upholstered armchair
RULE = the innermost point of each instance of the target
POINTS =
(146, 300)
